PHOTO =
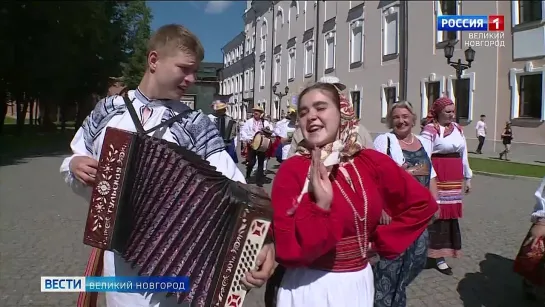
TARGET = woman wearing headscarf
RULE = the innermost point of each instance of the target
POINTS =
(450, 162)
(327, 202)
(529, 261)
(363, 135)
(392, 277)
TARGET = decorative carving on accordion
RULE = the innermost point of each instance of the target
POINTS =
(167, 212)
(106, 194)
(247, 260)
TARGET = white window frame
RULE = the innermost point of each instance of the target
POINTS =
(353, 26)
(441, 36)
(452, 95)
(246, 80)
(262, 74)
(424, 103)
(275, 108)
(277, 68)
(329, 37)
(387, 12)
(251, 76)
(360, 103)
(309, 51)
(292, 64)
(514, 79)
(292, 19)
(248, 46)
(515, 16)
(264, 31)
(383, 102)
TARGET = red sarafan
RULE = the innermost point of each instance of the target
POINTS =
(530, 261)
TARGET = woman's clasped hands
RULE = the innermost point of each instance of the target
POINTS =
(320, 185)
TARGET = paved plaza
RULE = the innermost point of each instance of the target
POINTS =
(42, 221)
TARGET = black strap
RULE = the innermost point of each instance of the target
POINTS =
(138, 124)
(220, 121)
(388, 151)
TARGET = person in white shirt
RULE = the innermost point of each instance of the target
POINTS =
(450, 161)
(173, 58)
(393, 276)
(252, 126)
(480, 129)
(284, 131)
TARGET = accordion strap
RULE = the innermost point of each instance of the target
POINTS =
(138, 124)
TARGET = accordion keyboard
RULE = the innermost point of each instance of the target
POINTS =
(247, 261)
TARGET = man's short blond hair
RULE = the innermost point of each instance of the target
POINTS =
(173, 37)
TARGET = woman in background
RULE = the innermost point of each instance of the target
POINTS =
(529, 261)
(327, 202)
(506, 137)
(450, 162)
(392, 277)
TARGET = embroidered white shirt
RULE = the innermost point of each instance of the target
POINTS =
(113, 263)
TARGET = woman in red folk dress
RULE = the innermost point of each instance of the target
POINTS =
(327, 203)
(450, 161)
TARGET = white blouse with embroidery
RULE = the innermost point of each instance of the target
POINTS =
(453, 143)
(539, 208)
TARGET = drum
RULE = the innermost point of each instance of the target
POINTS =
(260, 142)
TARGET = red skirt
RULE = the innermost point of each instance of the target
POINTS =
(530, 262)
(272, 149)
(450, 180)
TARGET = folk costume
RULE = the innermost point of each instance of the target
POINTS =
(284, 129)
(328, 265)
(227, 128)
(195, 132)
(529, 262)
(392, 277)
(247, 133)
(450, 162)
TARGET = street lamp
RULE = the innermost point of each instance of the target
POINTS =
(460, 67)
(279, 94)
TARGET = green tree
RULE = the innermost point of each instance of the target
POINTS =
(66, 52)
(137, 18)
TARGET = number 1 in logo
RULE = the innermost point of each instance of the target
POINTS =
(495, 23)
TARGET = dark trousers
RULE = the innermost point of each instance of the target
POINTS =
(272, 286)
(481, 143)
(254, 155)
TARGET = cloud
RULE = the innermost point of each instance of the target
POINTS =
(195, 4)
(217, 7)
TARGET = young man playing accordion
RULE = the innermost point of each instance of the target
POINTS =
(174, 55)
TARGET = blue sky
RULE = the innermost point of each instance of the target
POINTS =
(214, 22)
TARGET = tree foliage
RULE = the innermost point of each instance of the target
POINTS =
(59, 53)
(138, 16)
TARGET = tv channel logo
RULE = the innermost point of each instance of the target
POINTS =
(62, 284)
(470, 23)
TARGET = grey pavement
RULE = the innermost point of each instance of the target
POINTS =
(42, 221)
(524, 153)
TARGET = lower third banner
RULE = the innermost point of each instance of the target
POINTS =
(137, 284)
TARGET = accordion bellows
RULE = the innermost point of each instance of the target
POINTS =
(169, 213)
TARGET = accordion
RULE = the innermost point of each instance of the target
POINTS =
(168, 212)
